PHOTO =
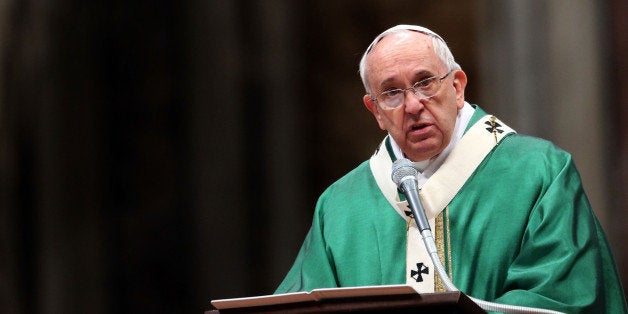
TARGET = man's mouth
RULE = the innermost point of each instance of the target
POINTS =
(419, 126)
(421, 130)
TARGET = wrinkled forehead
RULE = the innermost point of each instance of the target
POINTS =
(402, 54)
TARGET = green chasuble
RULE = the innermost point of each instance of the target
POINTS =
(520, 231)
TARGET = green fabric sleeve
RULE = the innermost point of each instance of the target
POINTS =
(313, 267)
(523, 233)
(561, 262)
(356, 239)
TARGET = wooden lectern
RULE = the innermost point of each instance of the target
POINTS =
(375, 299)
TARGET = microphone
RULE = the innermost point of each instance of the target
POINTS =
(404, 175)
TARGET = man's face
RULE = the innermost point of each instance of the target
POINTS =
(421, 127)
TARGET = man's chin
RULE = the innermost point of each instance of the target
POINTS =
(419, 152)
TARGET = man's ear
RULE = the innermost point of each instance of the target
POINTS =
(460, 83)
(374, 109)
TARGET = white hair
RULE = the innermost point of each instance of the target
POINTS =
(439, 45)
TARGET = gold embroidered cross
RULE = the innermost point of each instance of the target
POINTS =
(494, 127)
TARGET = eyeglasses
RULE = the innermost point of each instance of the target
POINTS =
(425, 89)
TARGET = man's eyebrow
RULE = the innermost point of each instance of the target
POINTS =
(386, 82)
(423, 74)
(417, 75)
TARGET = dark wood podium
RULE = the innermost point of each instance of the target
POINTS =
(400, 302)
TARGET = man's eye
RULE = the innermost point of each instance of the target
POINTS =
(392, 92)
(424, 83)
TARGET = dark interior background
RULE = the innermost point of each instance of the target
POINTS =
(155, 155)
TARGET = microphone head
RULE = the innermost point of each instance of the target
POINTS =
(402, 168)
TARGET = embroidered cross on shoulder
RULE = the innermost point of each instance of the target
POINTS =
(409, 214)
(494, 127)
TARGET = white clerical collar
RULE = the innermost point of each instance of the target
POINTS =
(428, 167)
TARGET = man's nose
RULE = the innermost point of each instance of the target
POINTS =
(414, 103)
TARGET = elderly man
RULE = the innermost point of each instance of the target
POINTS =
(511, 220)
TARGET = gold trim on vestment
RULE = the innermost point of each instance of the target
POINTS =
(449, 261)
(440, 248)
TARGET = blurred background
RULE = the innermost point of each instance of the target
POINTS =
(155, 155)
